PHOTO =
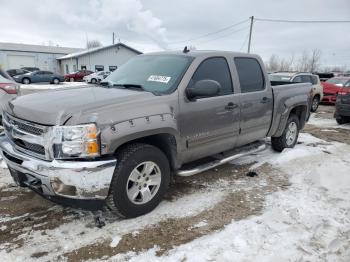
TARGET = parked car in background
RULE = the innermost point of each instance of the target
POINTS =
(9, 89)
(77, 76)
(297, 77)
(331, 88)
(324, 76)
(342, 105)
(38, 77)
(31, 69)
(96, 77)
(16, 72)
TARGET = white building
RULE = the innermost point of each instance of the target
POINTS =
(106, 58)
(13, 56)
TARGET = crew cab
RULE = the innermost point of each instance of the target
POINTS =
(77, 76)
(153, 118)
(282, 78)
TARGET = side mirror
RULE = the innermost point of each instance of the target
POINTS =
(203, 88)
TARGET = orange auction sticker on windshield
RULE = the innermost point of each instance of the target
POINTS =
(161, 79)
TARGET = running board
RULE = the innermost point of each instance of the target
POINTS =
(218, 162)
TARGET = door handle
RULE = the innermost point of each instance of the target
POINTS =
(265, 100)
(231, 106)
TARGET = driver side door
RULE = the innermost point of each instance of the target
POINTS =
(210, 125)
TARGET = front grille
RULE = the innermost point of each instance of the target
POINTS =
(38, 149)
(26, 136)
(25, 126)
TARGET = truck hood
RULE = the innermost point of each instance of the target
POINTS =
(73, 105)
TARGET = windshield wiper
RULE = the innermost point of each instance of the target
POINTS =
(128, 86)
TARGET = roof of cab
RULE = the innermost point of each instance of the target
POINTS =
(198, 53)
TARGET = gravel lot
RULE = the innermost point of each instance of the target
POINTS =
(297, 208)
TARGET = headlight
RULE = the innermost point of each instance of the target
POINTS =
(76, 141)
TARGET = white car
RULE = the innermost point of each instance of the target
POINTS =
(297, 77)
(96, 77)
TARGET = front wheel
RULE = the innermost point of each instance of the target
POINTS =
(93, 81)
(56, 81)
(140, 180)
(289, 137)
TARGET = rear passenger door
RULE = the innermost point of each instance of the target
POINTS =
(256, 100)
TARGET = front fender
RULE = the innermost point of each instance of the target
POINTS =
(117, 134)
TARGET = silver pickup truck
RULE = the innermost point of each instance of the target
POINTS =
(120, 143)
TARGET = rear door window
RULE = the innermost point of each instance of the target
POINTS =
(217, 69)
(250, 74)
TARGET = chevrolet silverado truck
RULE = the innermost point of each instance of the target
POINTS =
(158, 115)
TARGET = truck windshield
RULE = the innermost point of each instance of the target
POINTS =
(159, 74)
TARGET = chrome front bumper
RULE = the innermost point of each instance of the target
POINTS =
(70, 179)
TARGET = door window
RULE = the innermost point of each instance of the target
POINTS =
(217, 69)
(112, 68)
(250, 74)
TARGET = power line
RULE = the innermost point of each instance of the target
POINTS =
(211, 33)
(301, 21)
(245, 41)
(223, 36)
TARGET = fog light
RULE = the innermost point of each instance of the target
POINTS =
(61, 189)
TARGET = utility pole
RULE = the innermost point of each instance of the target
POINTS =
(113, 39)
(250, 32)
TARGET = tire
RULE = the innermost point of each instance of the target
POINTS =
(55, 81)
(71, 79)
(26, 81)
(93, 81)
(341, 120)
(315, 104)
(289, 137)
(128, 196)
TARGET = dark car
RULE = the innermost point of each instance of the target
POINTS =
(77, 76)
(16, 72)
(39, 76)
(31, 69)
(342, 105)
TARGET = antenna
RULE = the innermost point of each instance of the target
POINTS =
(186, 50)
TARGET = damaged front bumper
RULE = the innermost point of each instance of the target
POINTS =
(69, 179)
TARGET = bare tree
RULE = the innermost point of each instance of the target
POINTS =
(314, 60)
(93, 44)
(273, 63)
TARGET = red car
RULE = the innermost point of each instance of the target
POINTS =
(77, 76)
(332, 87)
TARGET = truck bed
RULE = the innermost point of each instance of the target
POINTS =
(284, 96)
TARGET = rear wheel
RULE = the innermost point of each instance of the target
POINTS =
(289, 137)
(71, 79)
(93, 81)
(56, 81)
(140, 180)
(315, 103)
(341, 120)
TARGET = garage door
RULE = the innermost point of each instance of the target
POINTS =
(18, 61)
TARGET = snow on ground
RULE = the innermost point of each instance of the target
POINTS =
(326, 123)
(308, 222)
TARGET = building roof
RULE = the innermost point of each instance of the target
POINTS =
(37, 48)
(93, 50)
